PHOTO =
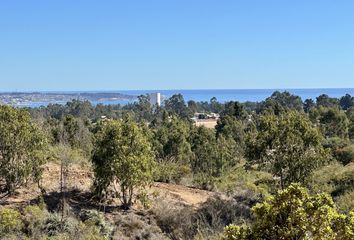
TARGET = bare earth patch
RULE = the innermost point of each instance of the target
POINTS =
(80, 180)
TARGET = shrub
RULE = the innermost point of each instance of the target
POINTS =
(143, 198)
(97, 219)
(345, 202)
(175, 222)
(10, 221)
(344, 182)
(213, 215)
(34, 218)
(294, 214)
(345, 155)
(170, 172)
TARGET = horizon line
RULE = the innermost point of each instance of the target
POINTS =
(173, 89)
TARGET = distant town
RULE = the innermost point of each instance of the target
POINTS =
(45, 98)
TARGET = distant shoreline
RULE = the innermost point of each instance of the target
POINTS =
(39, 98)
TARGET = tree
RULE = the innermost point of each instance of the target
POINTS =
(171, 140)
(346, 102)
(211, 155)
(281, 101)
(230, 126)
(177, 105)
(21, 148)
(294, 214)
(332, 121)
(215, 106)
(288, 145)
(143, 108)
(235, 109)
(308, 105)
(325, 101)
(173, 150)
(350, 115)
(122, 157)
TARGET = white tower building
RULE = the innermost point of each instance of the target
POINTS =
(155, 99)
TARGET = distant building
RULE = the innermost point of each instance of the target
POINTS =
(155, 99)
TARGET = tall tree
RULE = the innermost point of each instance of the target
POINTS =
(282, 101)
(288, 145)
(346, 102)
(123, 159)
(177, 105)
(325, 101)
(21, 148)
(332, 121)
(308, 105)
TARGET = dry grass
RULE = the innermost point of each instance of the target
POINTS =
(208, 123)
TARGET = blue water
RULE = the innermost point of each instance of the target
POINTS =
(241, 95)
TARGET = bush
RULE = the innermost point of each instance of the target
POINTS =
(213, 215)
(344, 182)
(34, 218)
(70, 228)
(170, 172)
(205, 222)
(345, 155)
(238, 181)
(97, 219)
(143, 198)
(10, 221)
(345, 202)
(294, 214)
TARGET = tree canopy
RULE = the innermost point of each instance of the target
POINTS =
(122, 158)
(22, 147)
(288, 145)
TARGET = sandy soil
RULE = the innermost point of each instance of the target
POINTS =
(208, 123)
(80, 181)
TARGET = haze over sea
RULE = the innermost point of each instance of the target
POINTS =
(222, 95)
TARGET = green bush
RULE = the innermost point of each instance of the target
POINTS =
(170, 172)
(143, 198)
(344, 182)
(294, 214)
(345, 202)
(93, 218)
(34, 218)
(345, 155)
(238, 180)
(10, 221)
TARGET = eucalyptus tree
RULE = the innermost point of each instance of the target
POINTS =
(22, 146)
(123, 159)
(287, 145)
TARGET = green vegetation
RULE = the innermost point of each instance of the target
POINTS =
(122, 158)
(294, 214)
(22, 149)
(255, 158)
(288, 145)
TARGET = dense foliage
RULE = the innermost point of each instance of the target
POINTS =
(21, 149)
(255, 149)
(122, 158)
(294, 214)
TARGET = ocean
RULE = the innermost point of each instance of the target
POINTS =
(243, 95)
(222, 95)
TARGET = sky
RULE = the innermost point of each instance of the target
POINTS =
(175, 44)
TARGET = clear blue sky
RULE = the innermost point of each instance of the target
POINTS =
(180, 44)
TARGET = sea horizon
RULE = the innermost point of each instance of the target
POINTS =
(199, 95)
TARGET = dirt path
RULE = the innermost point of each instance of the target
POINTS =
(186, 195)
(81, 179)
